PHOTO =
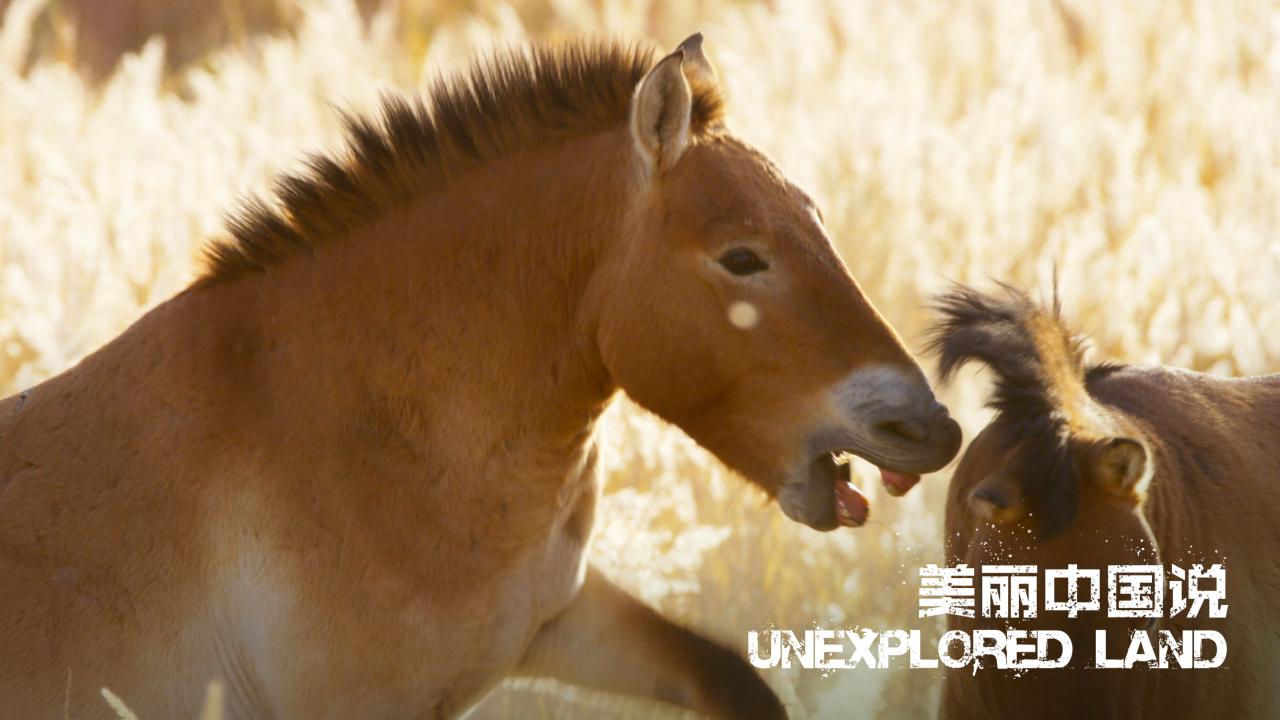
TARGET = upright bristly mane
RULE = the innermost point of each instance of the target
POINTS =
(1039, 395)
(512, 100)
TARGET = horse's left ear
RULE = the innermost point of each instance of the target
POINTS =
(1120, 466)
(660, 113)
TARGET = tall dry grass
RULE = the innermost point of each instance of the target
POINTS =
(1135, 145)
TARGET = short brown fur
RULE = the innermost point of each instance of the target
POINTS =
(1038, 486)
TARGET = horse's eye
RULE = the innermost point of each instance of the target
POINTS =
(742, 261)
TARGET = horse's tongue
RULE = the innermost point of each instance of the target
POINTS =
(851, 507)
(898, 483)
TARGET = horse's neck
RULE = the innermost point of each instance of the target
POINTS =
(1199, 432)
(451, 333)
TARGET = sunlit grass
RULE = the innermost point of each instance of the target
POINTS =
(1134, 145)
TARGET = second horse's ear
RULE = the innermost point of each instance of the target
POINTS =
(661, 110)
(1119, 465)
(997, 499)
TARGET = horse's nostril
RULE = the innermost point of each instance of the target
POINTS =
(906, 429)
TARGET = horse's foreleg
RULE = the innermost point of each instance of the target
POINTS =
(607, 640)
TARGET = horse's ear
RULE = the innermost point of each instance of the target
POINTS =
(696, 66)
(1119, 465)
(997, 499)
(660, 113)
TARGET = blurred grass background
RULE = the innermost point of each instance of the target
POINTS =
(1135, 145)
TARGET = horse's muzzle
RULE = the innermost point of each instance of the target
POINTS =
(886, 418)
(913, 442)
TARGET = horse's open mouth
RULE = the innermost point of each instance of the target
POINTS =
(851, 506)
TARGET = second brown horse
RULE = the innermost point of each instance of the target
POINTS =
(1113, 465)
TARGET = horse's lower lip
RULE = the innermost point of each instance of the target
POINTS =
(897, 484)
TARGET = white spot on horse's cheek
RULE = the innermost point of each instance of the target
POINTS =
(743, 315)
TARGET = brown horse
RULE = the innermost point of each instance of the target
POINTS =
(1114, 465)
(349, 472)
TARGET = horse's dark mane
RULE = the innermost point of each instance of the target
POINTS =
(1040, 386)
(509, 101)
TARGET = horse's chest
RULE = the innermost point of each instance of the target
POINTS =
(449, 640)
(540, 583)
(551, 573)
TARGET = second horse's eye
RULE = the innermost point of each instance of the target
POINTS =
(742, 261)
